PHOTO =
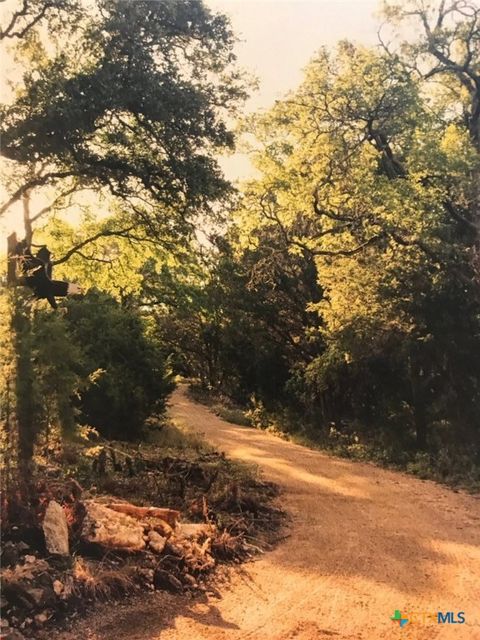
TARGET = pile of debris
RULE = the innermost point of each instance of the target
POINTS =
(90, 549)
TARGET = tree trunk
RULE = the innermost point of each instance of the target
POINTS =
(420, 419)
(24, 387)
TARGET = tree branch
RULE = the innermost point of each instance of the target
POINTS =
(456, 215)
(52, 205)
(35, 182)
(24, 12)
(123, 233)
(93, 258)
(329, 214)
(350, 252)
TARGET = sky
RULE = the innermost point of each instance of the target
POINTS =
(277, 38)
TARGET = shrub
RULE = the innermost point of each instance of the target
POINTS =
(130, 379)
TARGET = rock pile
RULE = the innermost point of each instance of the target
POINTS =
(147, 547)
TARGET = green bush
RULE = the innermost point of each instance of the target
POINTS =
(129, 377)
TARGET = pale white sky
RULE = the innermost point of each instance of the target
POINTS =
(277, 39)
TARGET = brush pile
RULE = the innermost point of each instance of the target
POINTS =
(65, 547)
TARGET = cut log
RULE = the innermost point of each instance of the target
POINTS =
(55, 529)
(169, 516)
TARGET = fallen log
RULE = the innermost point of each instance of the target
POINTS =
(169, 516)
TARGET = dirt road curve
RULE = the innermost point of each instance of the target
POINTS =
(364, 542)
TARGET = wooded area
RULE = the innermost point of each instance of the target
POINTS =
(335, 296)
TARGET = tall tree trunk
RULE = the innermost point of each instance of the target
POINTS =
(8, 417)
(22, 341)
(24, 386)
(27, 222)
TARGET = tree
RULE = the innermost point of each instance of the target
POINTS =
(237, 319)
(448, 54)
(141, 115)
(128, 100)
(43, 376)
(129, 377)
(374, 174)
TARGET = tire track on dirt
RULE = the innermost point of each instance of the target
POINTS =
(364, 541)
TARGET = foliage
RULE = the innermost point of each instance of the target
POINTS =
(240, 323)
(132, 99)
(129, 378)
(96, 365)
(127, 103)
(365, 171)
(43, 374)
(346, 289)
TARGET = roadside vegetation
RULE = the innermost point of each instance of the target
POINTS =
(228, 515)
(450, 467)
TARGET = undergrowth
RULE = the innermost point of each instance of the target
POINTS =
(447, 465)
(178, 469)
(172, 468)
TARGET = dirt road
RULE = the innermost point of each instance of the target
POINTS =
(364, 542)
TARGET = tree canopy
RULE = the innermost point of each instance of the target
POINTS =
(339, 288)
(134, 99)
(369, 175)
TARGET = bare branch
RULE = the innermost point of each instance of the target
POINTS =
(329, 214)
(414, 242)
(53, 204)
(38, 181)
(24, 12)
(93, 258)
(122, 233)
(456, 215)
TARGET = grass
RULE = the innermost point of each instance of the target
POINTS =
(221, 406)
(94, 582)
(449, 466)
(235, 416)
(171, 435)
